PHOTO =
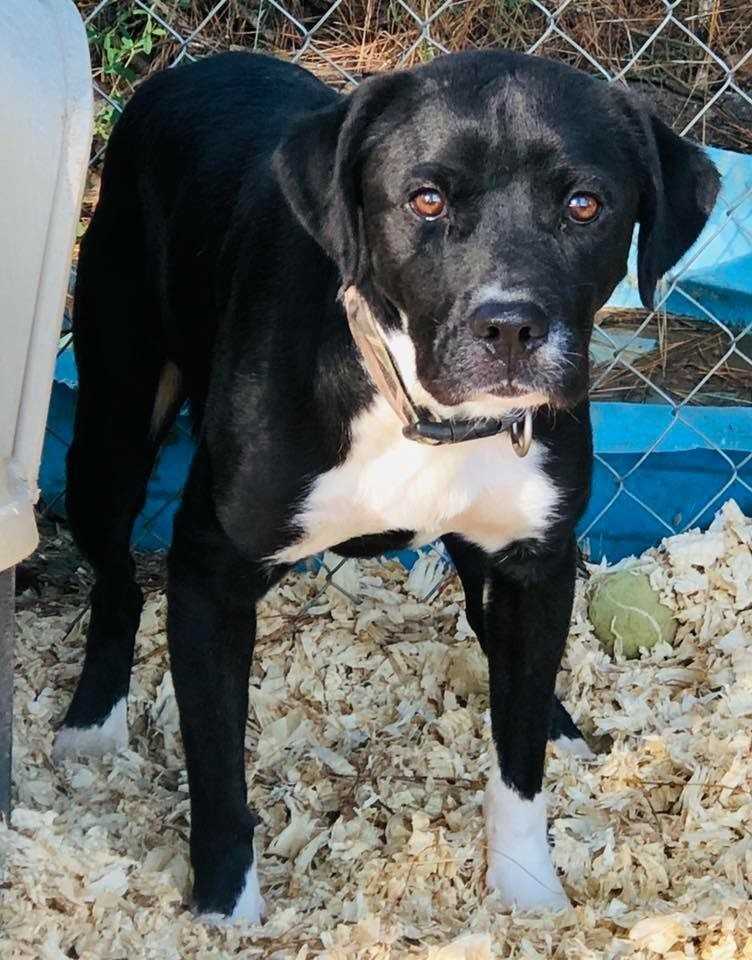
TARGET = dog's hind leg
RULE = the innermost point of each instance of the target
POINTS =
(125, 387)
(471, 563)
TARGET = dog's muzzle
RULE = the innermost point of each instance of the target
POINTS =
(385, 374)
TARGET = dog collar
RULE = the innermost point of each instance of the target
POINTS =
(385, 374)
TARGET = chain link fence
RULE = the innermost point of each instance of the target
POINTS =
(689, 361)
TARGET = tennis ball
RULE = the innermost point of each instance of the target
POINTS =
(623, 606)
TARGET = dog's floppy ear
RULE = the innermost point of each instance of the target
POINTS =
(679, 190)
(318, 167)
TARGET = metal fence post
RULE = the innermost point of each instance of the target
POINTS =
(7, 581)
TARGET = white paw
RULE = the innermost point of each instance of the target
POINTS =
(526, 882)
(250, 906)
(110, 736)
(519, 860)
(576, 747)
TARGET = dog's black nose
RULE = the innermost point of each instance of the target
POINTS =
(510, 328)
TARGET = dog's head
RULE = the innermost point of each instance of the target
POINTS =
(484, 204)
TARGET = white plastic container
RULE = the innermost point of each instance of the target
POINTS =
(45, 131)
(46, 117)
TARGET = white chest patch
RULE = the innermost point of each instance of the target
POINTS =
(480, 489)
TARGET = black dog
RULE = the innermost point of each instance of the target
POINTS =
(467, 219)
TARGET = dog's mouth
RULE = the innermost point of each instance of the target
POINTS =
(514, 390)
(549, 381)
(497, 397)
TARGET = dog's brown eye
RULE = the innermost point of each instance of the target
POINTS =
(428, 203)
(583, 207)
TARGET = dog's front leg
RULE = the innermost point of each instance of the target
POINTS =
(527, 612)
(212, 594)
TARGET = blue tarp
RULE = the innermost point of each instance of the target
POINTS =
(671, 472)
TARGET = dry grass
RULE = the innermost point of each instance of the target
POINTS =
(687, 352)
(365, 36)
